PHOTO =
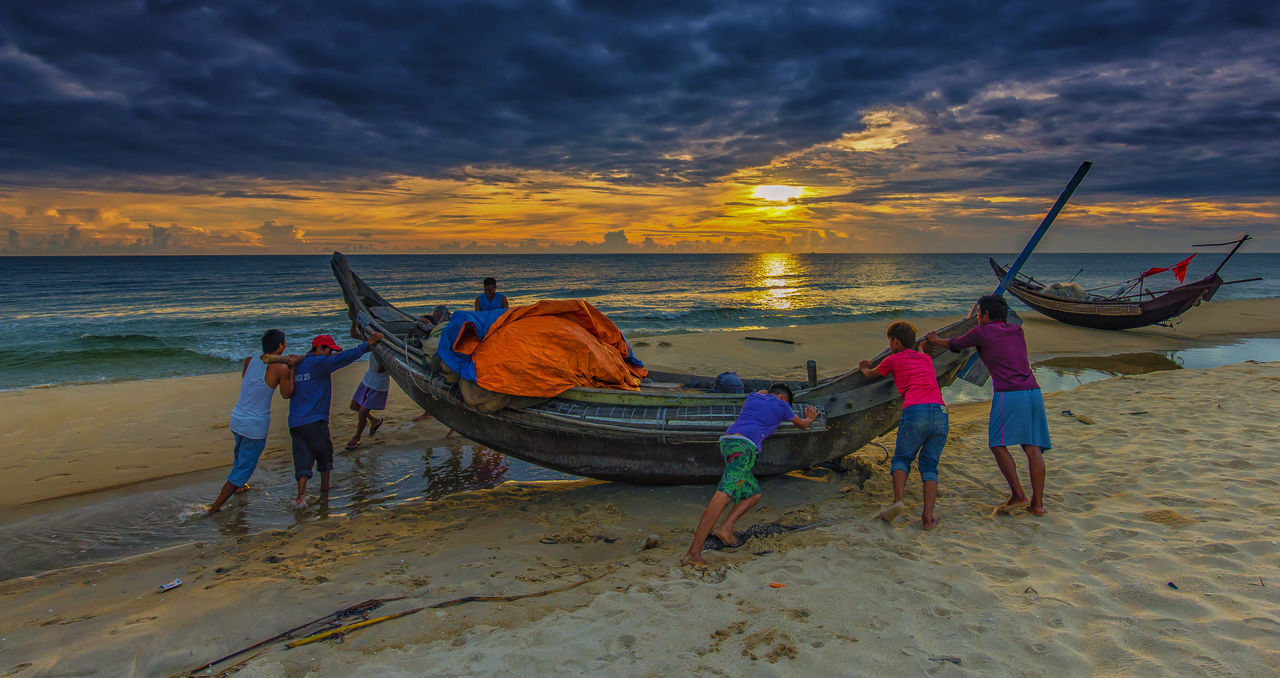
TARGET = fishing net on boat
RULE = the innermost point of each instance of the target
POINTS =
(1065, 290)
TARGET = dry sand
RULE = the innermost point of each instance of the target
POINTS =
(1175, 482)
(74, 439)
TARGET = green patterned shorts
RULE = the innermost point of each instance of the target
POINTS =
(737, 481)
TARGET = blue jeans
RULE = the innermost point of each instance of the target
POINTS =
(246, 459)
(923, 430)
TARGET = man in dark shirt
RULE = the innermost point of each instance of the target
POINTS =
(309, 409)
(1017, 406)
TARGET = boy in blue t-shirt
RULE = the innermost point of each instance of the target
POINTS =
(762, 413)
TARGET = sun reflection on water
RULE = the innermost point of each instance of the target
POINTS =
(779, 281)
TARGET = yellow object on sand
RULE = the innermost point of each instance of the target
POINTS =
(349, 627)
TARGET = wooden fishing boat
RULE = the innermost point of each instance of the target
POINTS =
(1133, 307)
(665, 433)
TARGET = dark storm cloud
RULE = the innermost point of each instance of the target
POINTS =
(1177, 97)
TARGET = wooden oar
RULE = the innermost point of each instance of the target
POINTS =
(973, 371)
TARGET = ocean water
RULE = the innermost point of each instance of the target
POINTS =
(90, 319)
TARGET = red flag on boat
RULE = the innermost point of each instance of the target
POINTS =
(1179, 269)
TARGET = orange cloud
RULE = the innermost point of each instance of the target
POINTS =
(510, 209)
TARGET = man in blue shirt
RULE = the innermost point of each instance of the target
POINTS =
(309, 409)
(491, 300)
(761, 414)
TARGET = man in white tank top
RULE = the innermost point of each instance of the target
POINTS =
(251, 417)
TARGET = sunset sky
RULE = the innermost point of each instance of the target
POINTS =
(175, 127)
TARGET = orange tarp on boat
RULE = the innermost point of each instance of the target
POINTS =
(547, 348)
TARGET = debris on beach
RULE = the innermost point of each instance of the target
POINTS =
(576, 537)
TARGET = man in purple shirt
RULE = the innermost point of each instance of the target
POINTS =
(761, 414)
(1017, 406)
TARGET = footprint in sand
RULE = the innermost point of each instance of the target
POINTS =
(56, 475)
(1168, 517)
(1218, 548)
(1174, 501)
(1262, 623)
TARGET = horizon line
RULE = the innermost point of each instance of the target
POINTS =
(91, 255)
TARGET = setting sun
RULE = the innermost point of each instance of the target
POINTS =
(777, 193)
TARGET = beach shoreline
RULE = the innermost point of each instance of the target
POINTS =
(99, 436)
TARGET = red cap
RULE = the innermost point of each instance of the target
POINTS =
(325, 340)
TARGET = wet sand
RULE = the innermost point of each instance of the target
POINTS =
(1145, 497)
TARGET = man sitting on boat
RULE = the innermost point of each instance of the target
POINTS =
(762, 413)
(439, 319)
(491, 300)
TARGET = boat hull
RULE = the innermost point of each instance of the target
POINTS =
(1109, 315)
(662, 437)
(629, 458)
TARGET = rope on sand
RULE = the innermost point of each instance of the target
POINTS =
(359, 608)
(363, 609)
(343, 630)
(761, 530)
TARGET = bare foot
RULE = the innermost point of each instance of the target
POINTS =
(1036, 510)
(301, 503)
(1013, 503)
(729, 542)
(692, 558)
(888, 513)
(928, 523)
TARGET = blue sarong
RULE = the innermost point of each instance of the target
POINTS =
(1018, 418)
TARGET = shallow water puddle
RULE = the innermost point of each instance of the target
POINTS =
(1064, 373)
(150, 516)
